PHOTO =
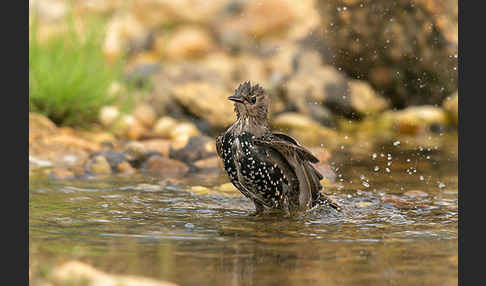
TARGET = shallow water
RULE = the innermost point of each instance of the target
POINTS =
(163, 229)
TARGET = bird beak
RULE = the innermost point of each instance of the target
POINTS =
(237, 98)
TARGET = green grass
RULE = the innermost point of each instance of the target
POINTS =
(69, 76)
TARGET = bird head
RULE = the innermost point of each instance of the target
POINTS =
(250, 101)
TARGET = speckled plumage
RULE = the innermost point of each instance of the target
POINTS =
(271, 169)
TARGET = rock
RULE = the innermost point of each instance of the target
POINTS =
(39, 126)
(159, 145)
(188, 43)
(125, 168)
(407, 50)
(164, 125)
(415, 119)
(160, 165)
(78, 273)
(197, 148)
(206, 101)
(415, 194)
(364, 99)
(38, 163)
(230, 190)
(145, 114)
(451, 106)
(108, 115)
(182, 132)
(305, 129)
(364, 204)
(129, 127)
(213, 162)
(61, 174)
(98, 165)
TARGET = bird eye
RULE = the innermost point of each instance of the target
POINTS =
(253, 100)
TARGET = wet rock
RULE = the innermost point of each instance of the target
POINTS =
(38, 163)
(61, 174)
(159, 145)
(125, 168)
(161, 165)
(198, 147)
(108, 115)
(188, 42)
(415, 119)
(206, 101)
(145, 114)
(98, 165)
(305, 129)
(364, 204)
(78, 273)
(407, 50)
(415, 194)
(451, 106)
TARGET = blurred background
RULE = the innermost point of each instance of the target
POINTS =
(135, 67)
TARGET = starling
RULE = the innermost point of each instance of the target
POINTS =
(269, 168)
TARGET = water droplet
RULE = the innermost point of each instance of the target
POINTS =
(396, 143)
(387, 170)
(376, 169)
(366, 184)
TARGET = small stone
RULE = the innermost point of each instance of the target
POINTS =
(159, 145)
(108, 115)
(208, 163)
(145, 114)
(164, 125)
(164, 166)
(183, 131)
(129, 127)
(61, 174)
(99, 166)
(125, 167)
(414, 120)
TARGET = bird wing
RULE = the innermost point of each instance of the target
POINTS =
(299, 159)
(219, 143)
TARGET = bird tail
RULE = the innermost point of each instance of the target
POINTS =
(316, 187)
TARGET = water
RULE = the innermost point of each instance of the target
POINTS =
(161, 229)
